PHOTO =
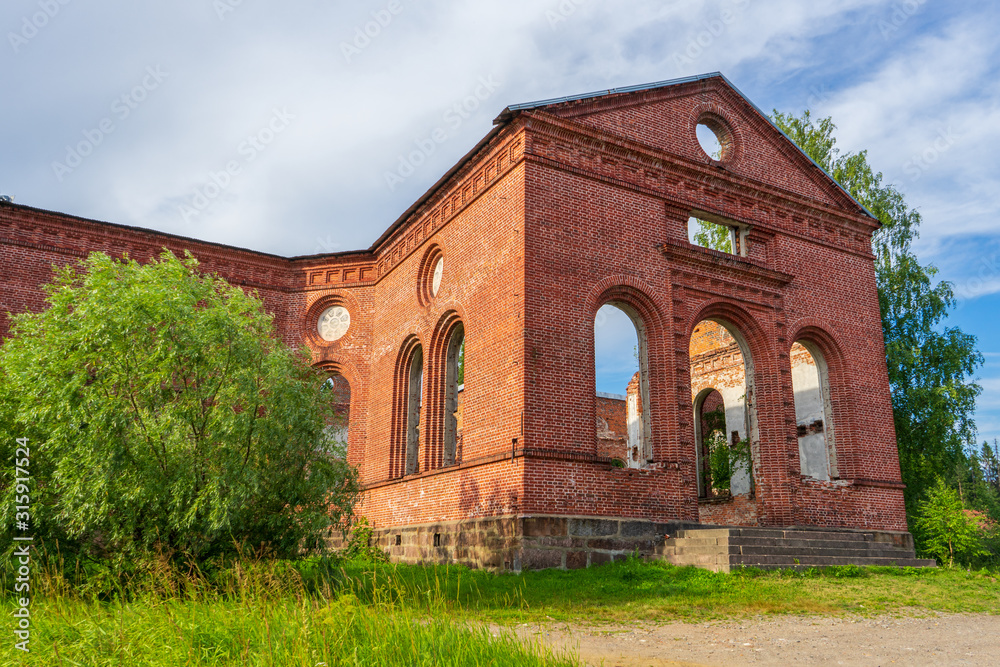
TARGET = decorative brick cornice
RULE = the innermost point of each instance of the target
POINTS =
(710, 261)
(661, 173)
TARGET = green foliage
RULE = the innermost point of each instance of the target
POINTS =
(271, 614)
(313, 610)
(164, 416)
(948, 531)
(930, 366)
(360, 546)
(724, 457)
(713, 235)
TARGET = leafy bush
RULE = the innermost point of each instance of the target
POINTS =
(724, 458)
(164, 416)
(946, 530)
(360, 547)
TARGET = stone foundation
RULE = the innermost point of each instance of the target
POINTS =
(510, 543)
(526, 542)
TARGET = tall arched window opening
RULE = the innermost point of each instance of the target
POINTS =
(710, 434)
(621, 377)
(725, 417)
(414, 395)
(810, 383)
(454, 384)
(340, 398)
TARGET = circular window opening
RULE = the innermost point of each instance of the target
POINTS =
(436, 280)
(709, 140)
(333, 323)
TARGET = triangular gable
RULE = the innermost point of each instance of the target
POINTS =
(664, 115)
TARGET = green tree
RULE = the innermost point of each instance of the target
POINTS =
(163, 413)
(713, 235)
(946, 529)
(931, 366)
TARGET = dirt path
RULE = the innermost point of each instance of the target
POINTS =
(934, 639)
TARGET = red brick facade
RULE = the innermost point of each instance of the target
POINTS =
(562, 208)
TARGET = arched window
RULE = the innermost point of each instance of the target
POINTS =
(621, 377)
(721, 364)
(811, 384)
(710, 437)
(340, 397)
(454, 381)
(414, 394)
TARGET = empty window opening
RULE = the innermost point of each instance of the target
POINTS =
(338, 427)
(437, 539)
(622, 386)
(414, 393)
(728, 238)
(399, 540)
(714, 137)
(709, 141)
(714, 471)
(724, 412)
(810, 383)
(453, 397)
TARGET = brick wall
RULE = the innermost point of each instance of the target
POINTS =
(558, 211)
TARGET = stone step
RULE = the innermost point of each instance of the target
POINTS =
(698, 541)
(816, 544)
(785, 561)
(806, 552)
(704, 532)
(799, 534)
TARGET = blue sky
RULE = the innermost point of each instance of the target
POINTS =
(279, 126)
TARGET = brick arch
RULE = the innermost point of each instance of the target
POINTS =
(400, 403)
(632, 296)
(425, 272)
(760, 346)
(349, 372)
(717, 116)
(701, 454)
(631, 290)
(832, 366)
(438, 451)
(342, 367)
(326, 300)
(758, 366)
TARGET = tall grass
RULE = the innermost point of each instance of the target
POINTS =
(258, 612)
(321, 612)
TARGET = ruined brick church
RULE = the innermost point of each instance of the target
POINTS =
(462, 342)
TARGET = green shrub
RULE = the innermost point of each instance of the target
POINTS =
(165, 417)
(945, 529)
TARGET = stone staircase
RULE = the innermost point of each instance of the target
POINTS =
(725, 549)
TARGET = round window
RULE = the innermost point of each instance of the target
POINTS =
(333, 323)
(438, 272)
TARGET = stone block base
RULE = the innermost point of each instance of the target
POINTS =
(510, 543)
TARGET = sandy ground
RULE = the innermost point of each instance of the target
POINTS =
(929, 639)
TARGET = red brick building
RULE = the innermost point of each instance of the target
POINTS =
(567, 205)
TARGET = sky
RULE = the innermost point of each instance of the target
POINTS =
(304, 127)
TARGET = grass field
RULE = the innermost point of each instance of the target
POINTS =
(322, 612)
